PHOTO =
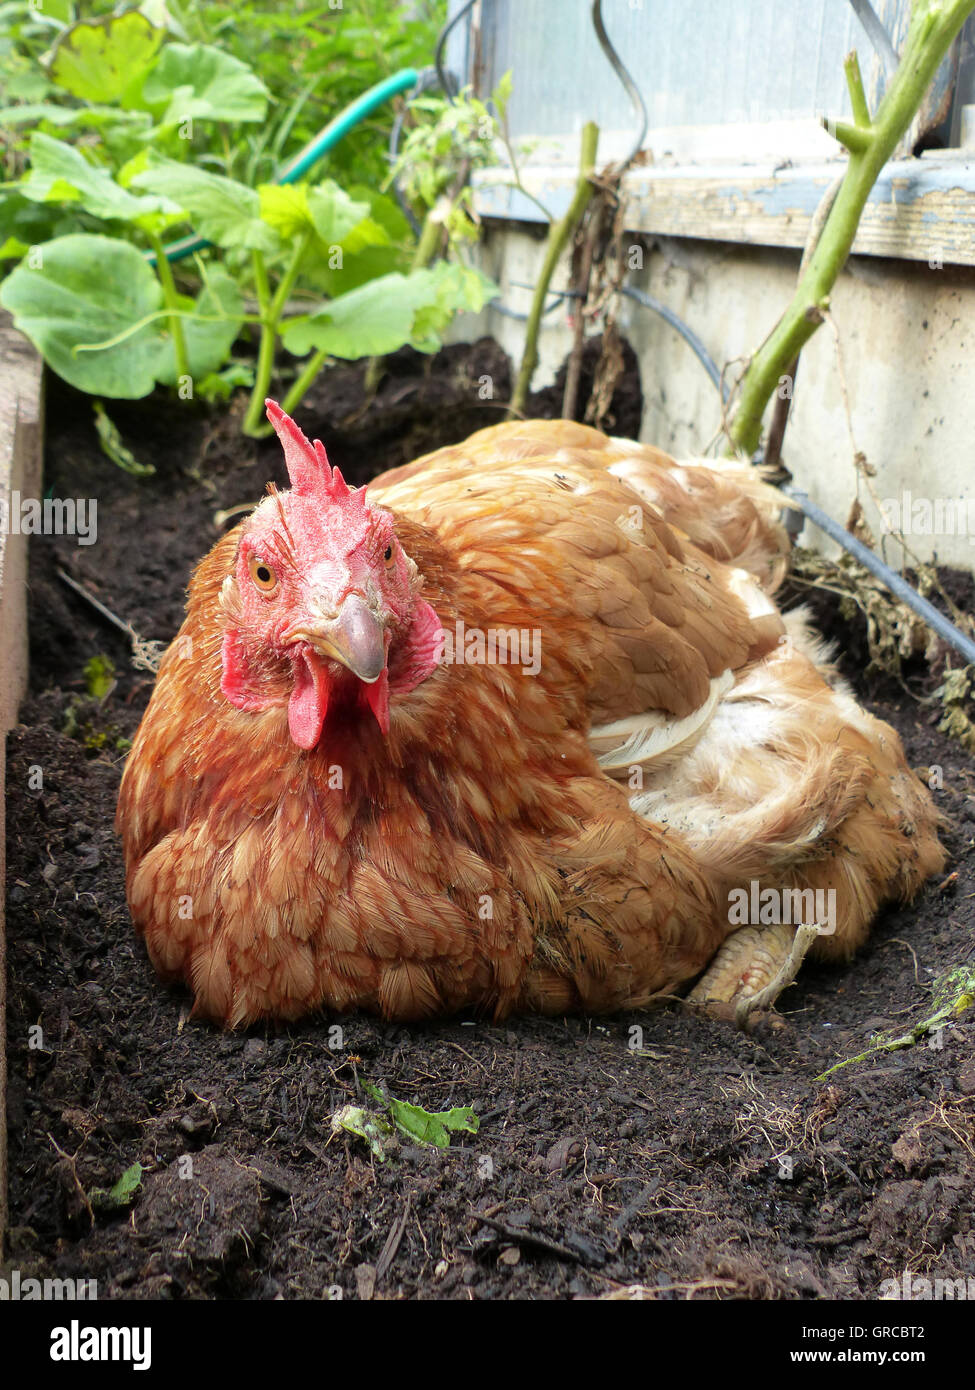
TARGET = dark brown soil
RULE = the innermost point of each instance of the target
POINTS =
(660, 1149)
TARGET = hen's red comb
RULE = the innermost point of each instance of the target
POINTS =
(308, 466)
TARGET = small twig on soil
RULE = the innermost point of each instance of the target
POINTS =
(146, 656)
(526, 1237)
(908, 947)
(70, 1162)
(838, 1237)
(388, 1254)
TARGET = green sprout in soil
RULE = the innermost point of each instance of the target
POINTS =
(99, 677)
(420, 1126)
(79, 724)
(122, 1194)
(953, 993)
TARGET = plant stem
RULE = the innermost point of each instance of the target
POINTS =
(171, 299)
(302, 382)
(271, 311)
(934, 25)
(558, 238)
(430, 234)
(265, 352)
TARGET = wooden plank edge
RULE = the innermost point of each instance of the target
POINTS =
(21, 442)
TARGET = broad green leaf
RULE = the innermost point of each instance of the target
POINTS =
(99, 117)
(369, 321)
(325, 209)
(60, 174)
(222, 210)
(428, 1128)
(384, 210)
(29, 223)
(337, 218)
(90, 289)
(199, 82)
(54, 9)
(361, 263)
(387, 313)
(29, 113)
(101, 60)
(93, 290)
(285, 208)
(27, 85)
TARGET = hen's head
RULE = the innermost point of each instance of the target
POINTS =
(322, 604)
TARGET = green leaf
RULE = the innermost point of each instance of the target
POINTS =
(451, 288)
(122, 1194)
(369, 321)
(61, 10)
(93, 290)
(31, 112)
(417, 1123)
(198, 82)
(374, 1129)
(338, 219)
(220, 386)
(364, 257)
(27, 224)
(224, 211)
(60, 174)
(389, 312)
(89, 289)
(102, 60)
(325, 209)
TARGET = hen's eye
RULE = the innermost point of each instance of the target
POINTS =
(262, 574)
(388, 554)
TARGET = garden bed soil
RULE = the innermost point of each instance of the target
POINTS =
(660, 1149)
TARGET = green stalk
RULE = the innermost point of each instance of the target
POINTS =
(934, 25)
(265, 352)
(171, 300)
(558, 238)
(303, 380)
(429, 239)
(270, 312)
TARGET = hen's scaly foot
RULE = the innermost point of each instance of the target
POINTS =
(753, 967)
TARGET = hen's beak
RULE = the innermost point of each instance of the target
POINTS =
(354, 637)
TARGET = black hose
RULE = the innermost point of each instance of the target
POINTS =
(632, 90)
(688, 334)
(898, 586)
(448, 82)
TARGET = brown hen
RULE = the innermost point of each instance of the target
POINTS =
(521, 729)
